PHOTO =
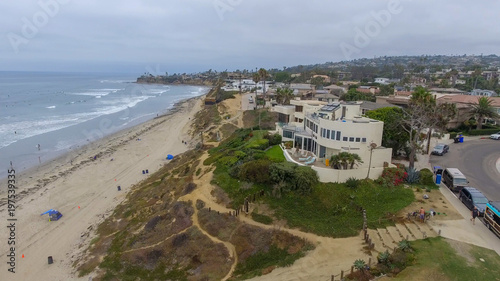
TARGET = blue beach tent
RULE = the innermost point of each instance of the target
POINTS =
(170, 157)
(53, 214)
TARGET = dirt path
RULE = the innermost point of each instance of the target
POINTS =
(328, 258)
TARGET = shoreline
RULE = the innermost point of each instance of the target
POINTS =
(72, 157)
(85, 192)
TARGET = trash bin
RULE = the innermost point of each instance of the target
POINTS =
(461, 139)
(438, 178)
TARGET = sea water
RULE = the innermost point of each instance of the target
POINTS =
(46, 114)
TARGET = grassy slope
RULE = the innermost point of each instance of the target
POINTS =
(334, 210)
(435, 259)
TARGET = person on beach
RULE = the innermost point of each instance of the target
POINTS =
(475, 214)
(422, 214)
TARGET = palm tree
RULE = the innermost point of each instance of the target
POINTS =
(284, 95)
(483, 109)
(354, 159)
(263, 75)
(256, 79)
(345, 160)
(335, 162)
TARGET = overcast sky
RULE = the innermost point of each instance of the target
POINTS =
(195, 35)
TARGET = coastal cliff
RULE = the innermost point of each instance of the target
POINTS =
(176, 80)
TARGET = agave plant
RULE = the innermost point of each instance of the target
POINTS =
(360, 264)
(413, 176)
(383, 257)
(404, 245)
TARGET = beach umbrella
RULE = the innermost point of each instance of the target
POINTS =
(170, 157)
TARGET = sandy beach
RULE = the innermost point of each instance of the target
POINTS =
(85, 191)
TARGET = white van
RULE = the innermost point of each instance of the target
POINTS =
(454, 179)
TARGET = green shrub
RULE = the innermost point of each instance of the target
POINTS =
(426, 177)
(228, 161)
(482, 132)
(352, 183)
(282, 172)
(274, 139)
(392, 177)
(262, 218)
(453, 135)
(255, 171)
(304, 180)
(261, 144)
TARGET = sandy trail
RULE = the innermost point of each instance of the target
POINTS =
(328, 258)
(86, 192)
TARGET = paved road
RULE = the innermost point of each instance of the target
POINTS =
(245, 102)
(477, 160)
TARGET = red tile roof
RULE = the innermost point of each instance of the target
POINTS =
(467, 99)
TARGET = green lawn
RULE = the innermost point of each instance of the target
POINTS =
(436, 259)
(275, 154)
(334, 210)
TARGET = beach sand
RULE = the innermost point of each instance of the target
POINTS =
(85, 191)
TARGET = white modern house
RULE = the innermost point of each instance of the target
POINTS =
(483, 93)
(324, 130)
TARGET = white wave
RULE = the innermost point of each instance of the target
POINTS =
(97, 92)
(122, 104)
(51, 107)
(157, 92)
(26, 129)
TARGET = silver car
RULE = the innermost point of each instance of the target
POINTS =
(440, 149)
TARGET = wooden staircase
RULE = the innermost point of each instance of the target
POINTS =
(388, 238)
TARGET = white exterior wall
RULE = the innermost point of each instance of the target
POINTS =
(372, 131)
(332, 175)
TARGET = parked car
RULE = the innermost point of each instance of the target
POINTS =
(495, 136)
(471, 197)
(454, 179)
(440, 149)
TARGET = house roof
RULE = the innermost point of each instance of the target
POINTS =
(373, 105)
(298, 86)
(326, 96)
(367, 91)
(466, 99)
(447, 90)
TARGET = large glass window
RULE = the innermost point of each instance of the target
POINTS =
(351, 139)
(327, 134)
(332, 135)
(287, 134)
(298, 142)
(338, 135)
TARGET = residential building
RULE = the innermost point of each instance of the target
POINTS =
(386, 81)
(368, 90)
(299, 89)
(482, 93)
(336, 90)
(328, 129)
(464, 105)
(446, 91)
(326, 79)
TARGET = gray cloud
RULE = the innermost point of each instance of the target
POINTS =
(195, 35)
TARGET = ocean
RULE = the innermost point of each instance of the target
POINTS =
(45, 114)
